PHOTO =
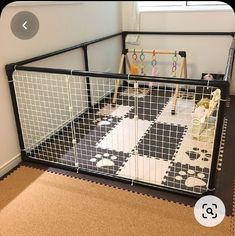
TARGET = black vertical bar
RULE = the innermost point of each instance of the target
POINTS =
(9, 71)
(124, 51)
(219, 128)
(87, 78)
(124, 34)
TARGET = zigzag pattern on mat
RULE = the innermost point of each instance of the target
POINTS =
(150, 126)
(5, 176)
(232, 221)
(176, 151)
(89, 178)
(161, 140)
(145, 124)
(228, 102)
(155, 152)
(222, 143)
(142, 117)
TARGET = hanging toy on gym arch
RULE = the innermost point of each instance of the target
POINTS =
(142, 57)
(134, 67)
(174, 64)
(154, 69)
(154, 63)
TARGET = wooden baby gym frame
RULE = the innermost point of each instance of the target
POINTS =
(182, 73)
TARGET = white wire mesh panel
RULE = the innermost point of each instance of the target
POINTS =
(131, 134)
(175, 150)
(100, 90)
(138, 138)
(44, 109)
(95, 124)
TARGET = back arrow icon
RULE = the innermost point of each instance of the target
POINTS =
(24, 25)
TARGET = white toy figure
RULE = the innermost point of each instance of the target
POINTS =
(208, 77)
(214, 101)
(203, 113)
(199, 113)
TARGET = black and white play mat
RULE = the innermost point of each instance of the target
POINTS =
(148, 144)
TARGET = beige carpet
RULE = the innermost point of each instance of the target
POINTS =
(35, 202)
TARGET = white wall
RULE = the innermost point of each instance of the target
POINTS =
(204, 54)
(61, 26)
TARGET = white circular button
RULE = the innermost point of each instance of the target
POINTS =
(24, 25)
(209, 211)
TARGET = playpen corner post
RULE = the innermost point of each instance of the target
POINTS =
(124, 34)
(88, 86)
(10, 68)
(219, 129)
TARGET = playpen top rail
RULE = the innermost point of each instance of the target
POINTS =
(55, 53)
(123, 33)
(84, 45)
(180, 33)
(162, 79)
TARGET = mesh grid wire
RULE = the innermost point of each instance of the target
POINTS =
(134, 137)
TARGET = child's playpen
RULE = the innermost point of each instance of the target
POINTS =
(135, 125)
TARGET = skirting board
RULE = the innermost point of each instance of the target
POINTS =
(10, 165)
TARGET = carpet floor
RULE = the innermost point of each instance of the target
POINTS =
(37, 202)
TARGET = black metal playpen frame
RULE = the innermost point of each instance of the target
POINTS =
(223, 85)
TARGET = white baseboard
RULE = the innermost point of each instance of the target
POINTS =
(10, 165)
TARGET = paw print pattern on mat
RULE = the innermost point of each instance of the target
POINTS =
(197, 153)
(186, 177)
(194, 155)
(103, 121)
(191, 181)
(103, 160)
